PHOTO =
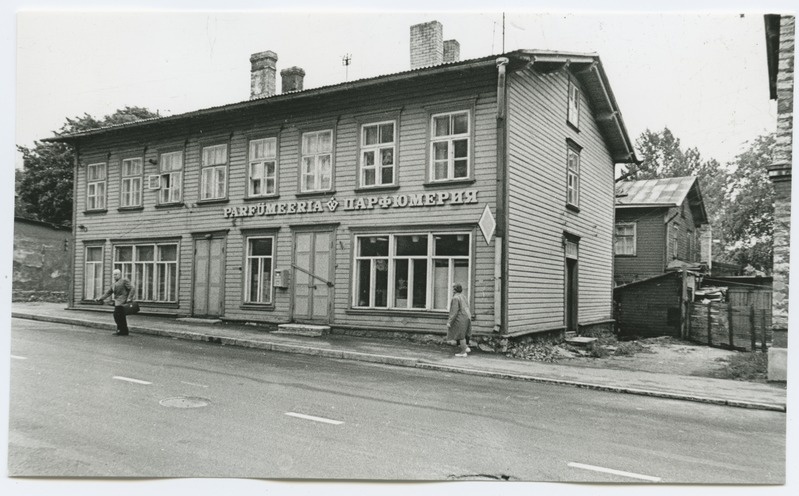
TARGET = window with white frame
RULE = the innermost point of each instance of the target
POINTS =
(95, 186)
(152, 269)
(93, 274)
(378, 149)
(573, 115)
(260, 256)
(214, 172)
(263, 167)
(413, 271)
(573, 176)
(171, 165)
(317, 161)
(625, 238)
(131, 187)
(449, 146)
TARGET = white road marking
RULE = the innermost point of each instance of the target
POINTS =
(19, 357)
(128, 379)
(194, 384)
(615, 472)
(315, 419)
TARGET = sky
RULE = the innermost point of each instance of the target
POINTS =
(698, 71)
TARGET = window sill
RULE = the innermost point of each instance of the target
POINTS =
(573, 126)
(623, 255)
(170, 205)
(261, 198)
(573, 208)
(367, 189)
(212, 201)
(95, 212)
(433, 314)
(449, 183)
(311, 194)
(130, 209)
(265, 307)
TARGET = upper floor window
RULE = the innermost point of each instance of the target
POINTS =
(131, 187)
(214, 172)
(171, 178)
(378, 147)
(573, 115)
(573, 176)
(317, 161)
(625, 238)
(449, 146)
(95, 186)
(263, 167)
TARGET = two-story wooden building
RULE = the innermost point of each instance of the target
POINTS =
(359, 204)
(659, 225)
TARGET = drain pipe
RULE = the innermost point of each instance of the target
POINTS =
(501, 245)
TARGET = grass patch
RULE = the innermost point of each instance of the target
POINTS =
(745, 366)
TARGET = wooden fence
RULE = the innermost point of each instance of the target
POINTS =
(730, 325)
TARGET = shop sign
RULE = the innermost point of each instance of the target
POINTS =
(440, 198)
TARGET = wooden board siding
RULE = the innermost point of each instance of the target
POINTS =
(650, 250)
(644, 307)
(411, 101)
(538, 217)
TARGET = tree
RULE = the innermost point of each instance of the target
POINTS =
(747, 224)
(45, 189)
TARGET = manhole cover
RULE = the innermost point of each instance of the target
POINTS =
(185, 402)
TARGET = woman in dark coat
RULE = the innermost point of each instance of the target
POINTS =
(459, 325)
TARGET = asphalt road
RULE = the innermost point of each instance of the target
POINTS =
(84, 403)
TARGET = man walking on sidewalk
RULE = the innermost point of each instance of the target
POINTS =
(121, 290)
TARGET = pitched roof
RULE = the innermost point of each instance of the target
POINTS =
(586, 67)
(666, 192)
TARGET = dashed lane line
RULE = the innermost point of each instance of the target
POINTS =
(194, 384)
(615, 472)
(128, 379)
(19, 357)
(315, 419)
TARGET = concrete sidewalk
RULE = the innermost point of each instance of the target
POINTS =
(429, 356)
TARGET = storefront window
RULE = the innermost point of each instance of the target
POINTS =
(259, 270)
(151, 269)
(93, 279)
(413, 271)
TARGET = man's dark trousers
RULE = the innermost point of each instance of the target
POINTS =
(121, 319)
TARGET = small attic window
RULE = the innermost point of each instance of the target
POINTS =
(573, 113)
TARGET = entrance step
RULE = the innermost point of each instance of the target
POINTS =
(302, 330)
(196, 320)
(580, 341)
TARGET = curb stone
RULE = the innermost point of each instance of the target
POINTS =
(396, 361)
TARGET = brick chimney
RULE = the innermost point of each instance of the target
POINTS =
(427, 44)
(292, 79)
(262, 74)
(452, 51)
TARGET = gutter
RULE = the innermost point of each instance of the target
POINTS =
(501, 238)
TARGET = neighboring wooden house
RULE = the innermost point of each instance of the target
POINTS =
(659, 225)
(41, 261)
(358, 205)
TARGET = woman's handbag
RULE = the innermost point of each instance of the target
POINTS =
(131, 307)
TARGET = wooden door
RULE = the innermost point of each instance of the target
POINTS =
(209, 277)
(312, 276)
